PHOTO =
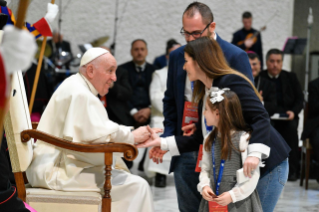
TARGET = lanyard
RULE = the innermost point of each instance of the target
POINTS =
(221, 169)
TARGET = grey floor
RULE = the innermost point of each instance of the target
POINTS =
(293, 199)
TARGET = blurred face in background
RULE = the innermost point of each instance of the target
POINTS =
(255, 66)
(247, 22)
(274, 64)
(139, 52)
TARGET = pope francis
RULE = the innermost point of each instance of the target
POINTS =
(76, 114)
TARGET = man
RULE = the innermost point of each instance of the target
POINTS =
(75, 113)
(266, 88)
(311, 129)
(239, 37)
(162, 60)
(140, 77)
(289, 103)
(198, 21)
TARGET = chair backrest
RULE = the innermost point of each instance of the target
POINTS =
(17, 120)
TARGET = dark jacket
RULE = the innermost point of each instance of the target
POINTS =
(292, 93)
(241, 34)
(175, 92)
(133, 78)
(313, 109)
(268, 89)
(117, 99)
(255, 116)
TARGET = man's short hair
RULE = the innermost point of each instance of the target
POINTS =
(253, 55)
(170, 43)
(247, 15)
(275, 51)
(138, 40)
(202, 9)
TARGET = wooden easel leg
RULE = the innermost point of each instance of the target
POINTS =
(20, 186)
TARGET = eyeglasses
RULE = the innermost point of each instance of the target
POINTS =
(194, 34)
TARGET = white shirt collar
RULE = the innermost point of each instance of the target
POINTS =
(142, 66)
(271, 76)
(91, 87)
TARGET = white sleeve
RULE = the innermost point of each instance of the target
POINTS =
(204, 178)
(123, 135)
(156, 93)
(169, 143)
(244, 190)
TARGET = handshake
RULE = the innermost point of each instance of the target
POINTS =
(148, 137)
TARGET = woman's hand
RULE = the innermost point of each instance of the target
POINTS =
(224, 199)
(250, 164)
(208, 194)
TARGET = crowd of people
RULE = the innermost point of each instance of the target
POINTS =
(246, 130)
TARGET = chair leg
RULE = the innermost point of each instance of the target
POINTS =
(307, 167)
(18, 176)
(302, 174)
(106, 201)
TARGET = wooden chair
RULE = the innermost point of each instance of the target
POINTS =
(20, 137)
(306, 152)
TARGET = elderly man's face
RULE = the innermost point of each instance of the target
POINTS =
(104, 73)
(274, 64)
(139, 52)
(255, 66)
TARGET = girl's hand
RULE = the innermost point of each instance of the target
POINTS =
(224, 199)
(208, 194)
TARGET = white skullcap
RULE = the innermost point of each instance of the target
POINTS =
(92, 54)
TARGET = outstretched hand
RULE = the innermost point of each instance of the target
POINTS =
(154, 139)
(156, 154)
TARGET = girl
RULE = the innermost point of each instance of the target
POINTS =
(226, 146)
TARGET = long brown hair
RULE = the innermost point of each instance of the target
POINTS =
(210, 58)
(230, 119)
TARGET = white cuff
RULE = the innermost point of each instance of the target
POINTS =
(133, 111)
(255, 154)
(164, 145)
(169, 143)
(200, 187)
(231, 192)
(261, 148)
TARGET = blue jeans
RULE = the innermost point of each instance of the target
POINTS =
(271, 184)
(186, 180)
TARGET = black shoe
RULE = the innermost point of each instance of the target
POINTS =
(292, 177)
(160, 180)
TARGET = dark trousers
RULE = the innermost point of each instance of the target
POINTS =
(314, 140)
(288, 130)
(186, 180)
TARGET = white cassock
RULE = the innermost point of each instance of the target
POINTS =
(157, 89)
(75, 113)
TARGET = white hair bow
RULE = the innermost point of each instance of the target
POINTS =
(216, 94)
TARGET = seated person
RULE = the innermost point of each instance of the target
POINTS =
(266, 88)
(76, 114)
(311, 129)
(289, 102)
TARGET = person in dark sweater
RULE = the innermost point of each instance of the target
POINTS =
(248, 44)
(265, 87)
(289, 102)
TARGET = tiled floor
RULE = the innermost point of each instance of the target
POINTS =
(293, 199)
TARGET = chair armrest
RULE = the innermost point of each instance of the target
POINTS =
(35, 125)
(130, 151)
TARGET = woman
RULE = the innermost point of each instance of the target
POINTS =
(205, 64)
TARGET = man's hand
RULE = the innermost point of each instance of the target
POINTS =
(141, 134)
(250, 164)
(145, 112)
(154, 140)
(189, 129)
(208, 194)
(156, 154)
(224, 199)
(248, 43)
(291, 115)
(261, 95)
